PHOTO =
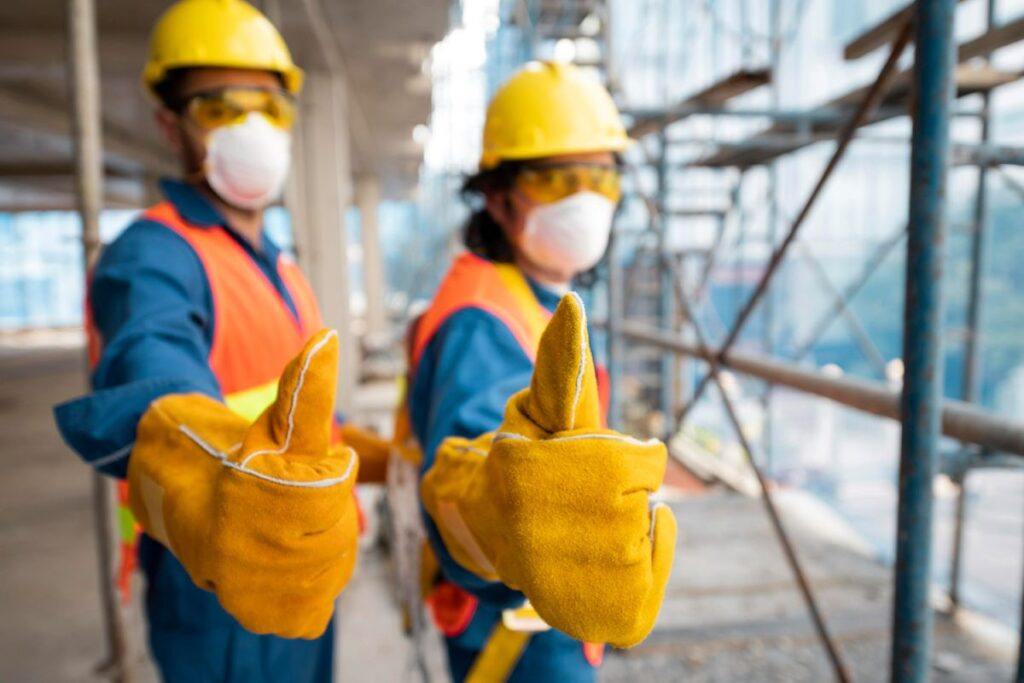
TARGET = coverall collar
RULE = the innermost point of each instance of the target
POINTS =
(547, 298)
(198, 211)
(191, 205)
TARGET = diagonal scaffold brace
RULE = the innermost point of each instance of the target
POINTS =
(806, 590)
(865, 111)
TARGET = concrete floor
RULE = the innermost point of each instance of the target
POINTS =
(50, 627)
(731, 612)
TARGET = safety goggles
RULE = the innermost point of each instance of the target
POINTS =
(225, 106)
(543, 184)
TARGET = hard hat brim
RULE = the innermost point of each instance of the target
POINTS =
(489, 160)
(292, 78)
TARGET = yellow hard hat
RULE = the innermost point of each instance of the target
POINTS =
(224, 33)
(547, 109)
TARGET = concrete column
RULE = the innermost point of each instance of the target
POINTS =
(319, 195)
(368, 201)
(295, 196)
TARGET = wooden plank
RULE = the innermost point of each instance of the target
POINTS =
(970, 79)
(36, 168)
(999, 37)
(715, 95)
(743, 81)
(878, 35)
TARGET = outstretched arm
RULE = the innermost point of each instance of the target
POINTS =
(153, 313)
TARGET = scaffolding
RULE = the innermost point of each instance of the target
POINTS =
(943, 73)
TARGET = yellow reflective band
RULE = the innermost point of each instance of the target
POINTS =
(152, 495)
(251, 403)
(499, 656)
(456, 526)
(535, 316)
(524, 618)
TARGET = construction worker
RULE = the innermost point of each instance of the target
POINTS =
(554, 508)
(213, 383)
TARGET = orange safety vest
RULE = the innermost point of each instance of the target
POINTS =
(501, 290)
(255, 334)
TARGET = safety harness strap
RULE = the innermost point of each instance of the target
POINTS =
(499, 656)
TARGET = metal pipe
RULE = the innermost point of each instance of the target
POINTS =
(809, 117)
(666, 309)
(961, 421)
(921, 401)
(87, 142)
(972, 351)
(774, 216)
(615, 314)
(838, 665)
(1020, 644)
(956, 562)
(864, 112)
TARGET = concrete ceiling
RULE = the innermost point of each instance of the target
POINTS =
(379, 44)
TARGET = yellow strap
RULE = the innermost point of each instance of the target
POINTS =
(537, 316)
(499, 656)
(524, 618)
(251, 403)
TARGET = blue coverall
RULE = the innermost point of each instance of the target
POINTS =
(468, 371)
(153, 306)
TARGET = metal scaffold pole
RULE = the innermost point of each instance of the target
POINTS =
(971, 389)
(922, 337)
(84, 96)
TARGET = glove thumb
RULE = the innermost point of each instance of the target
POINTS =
(563, 391)
(300, 418)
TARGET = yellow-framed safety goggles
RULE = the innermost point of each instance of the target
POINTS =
(543, 184)
(225, 106)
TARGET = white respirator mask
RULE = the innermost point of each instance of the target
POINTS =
(570, 234)
(247, 162)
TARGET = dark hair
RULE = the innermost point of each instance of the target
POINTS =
(483, 235)
(170, 89)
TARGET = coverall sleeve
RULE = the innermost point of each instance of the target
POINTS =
(468, 371)
(152, 306)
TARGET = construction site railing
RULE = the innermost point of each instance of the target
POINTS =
(960, 420)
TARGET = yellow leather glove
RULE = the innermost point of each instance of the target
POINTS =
(555, 506)
(262, 515)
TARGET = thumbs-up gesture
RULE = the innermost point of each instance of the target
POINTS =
(263, 514)
(557, 507)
